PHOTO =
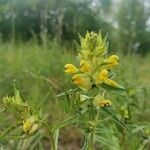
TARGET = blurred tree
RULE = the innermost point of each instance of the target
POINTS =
(80, 16)
(64, 19)
(132, 33)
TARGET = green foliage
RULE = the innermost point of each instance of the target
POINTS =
(40, 76)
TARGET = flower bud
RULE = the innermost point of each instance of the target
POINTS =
(30, 125)
(70, 69)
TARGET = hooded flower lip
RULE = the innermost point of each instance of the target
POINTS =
(29, 125)
(105, 103)
(101, 102)
(85, 66)
(70, 69)
(83, 81)
(101, 76)
(113, 60)
(78, 80)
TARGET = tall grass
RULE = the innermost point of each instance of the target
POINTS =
(38, 70)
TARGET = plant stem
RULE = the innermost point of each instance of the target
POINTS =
(92, 118)
(91, 146)
(52, 142)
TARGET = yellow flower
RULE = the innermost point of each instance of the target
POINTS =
(111, 83)
(105, 103)
(78, 80)
(30, 125)
(101, 102)
(34, 129)
(82, 81)
(113, 60)
(85, 66)
(70, 69)
(100, 77)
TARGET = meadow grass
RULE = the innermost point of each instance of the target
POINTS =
(38, 70)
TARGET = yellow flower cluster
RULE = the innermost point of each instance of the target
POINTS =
(94, 65)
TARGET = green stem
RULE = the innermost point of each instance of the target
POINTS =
(92, 118)
(95, 119)
(52, 142)
(91, 146)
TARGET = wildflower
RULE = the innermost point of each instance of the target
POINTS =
(105, 103)
(29, 125)
(82, 81)
(101, 76)
(93, 63)
(85, 66)
(101, 102)
(70, 69)
(113, 60)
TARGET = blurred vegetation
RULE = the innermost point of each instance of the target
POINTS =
(38, 71)
(127, 22)
(37, 39)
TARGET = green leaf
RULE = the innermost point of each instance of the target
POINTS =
(12, 127)
(64, 123)
(119, 88)
(115, 118)
(106, 142)
(69, 92)
(2, 109)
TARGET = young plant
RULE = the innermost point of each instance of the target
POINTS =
(94, 79)
(27, 120)
(95, 103)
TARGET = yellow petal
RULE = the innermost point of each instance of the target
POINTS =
(105, 103)
(70, 69)
(112, 59)
(28, 125)
(101, 76)
(77, 79)
(82, 81)
(101, 102)
(85, 66)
